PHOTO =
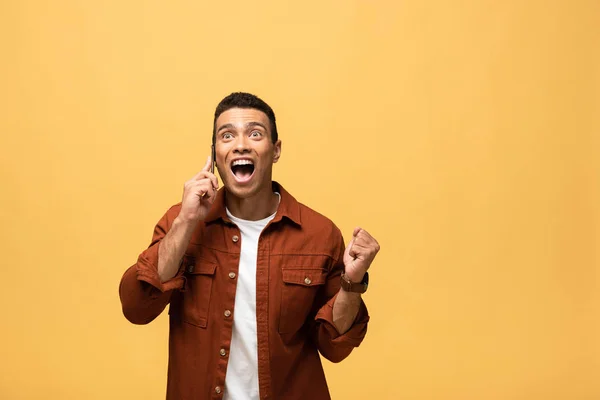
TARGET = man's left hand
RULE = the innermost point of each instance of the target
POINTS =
(359, 254)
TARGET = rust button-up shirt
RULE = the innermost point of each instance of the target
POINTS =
(298, 267)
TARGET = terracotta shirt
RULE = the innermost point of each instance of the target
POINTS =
(298, 269)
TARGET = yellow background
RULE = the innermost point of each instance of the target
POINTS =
(463, 134)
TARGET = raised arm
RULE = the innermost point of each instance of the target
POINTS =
(340, 324)
(358, 257)
(146, 287)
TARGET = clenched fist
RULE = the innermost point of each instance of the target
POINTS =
(359, 254)
(198, 195)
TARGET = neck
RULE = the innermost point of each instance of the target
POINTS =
(257, 207)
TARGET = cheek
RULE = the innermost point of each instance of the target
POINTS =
(221, 156)
(221, 166)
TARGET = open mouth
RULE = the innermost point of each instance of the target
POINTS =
(242, 170)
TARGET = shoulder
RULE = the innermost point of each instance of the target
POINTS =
(316, 223)
(320, 234)
(169, 216)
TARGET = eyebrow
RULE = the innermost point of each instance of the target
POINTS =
(248, 125)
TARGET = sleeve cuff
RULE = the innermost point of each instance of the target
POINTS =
(147, 271)
(354, 336)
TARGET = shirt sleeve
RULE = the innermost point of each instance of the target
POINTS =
(331, 344)
(143, 295)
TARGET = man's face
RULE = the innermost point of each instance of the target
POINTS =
(244, 151)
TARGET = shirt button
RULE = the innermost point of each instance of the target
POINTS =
(227, 313)
(190, 268)
(235, 238)
(307, 280)
(222, 352)
(218, 390)
(232, 275)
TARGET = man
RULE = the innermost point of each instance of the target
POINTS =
(258, 284)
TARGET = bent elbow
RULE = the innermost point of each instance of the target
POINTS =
(135, 316)
(335, 355)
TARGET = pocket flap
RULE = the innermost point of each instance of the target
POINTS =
(304, 276)
(201, 268)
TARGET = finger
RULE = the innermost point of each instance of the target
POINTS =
(201, 187)
(204, 180)
(352, 249)
(349, 247)
(203, 171)
(365, 241)
(210, 193)
(356, 231)
(366, 238)
(207, 165)
(214, 180)
(359, 249)
(207, 193)
(364, 234)
(200, 176)
(365, 253)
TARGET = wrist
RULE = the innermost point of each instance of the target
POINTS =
(355, 276)
(185, 223)
(183, 219)
(349, 285)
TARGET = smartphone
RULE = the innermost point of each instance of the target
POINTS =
(212, 163)
(212, 157)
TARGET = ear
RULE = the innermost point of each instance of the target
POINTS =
(277, 151)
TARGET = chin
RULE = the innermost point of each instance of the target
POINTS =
(242, 192)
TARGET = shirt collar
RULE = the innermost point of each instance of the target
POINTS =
(288, 207)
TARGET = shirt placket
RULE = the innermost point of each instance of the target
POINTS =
(227, 304)
(262, 314)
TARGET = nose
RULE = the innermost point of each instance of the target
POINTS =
(242, 145)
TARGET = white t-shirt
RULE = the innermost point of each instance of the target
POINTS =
(241, 380)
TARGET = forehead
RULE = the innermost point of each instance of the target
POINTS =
(239, 117)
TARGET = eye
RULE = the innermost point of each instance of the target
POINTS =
(227, 136)
(256, 134)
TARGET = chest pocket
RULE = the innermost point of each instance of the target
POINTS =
(196, 295)
(298, 292)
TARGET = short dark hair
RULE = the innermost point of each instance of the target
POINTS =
(245, 100)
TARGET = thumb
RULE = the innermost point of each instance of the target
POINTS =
(349, 248)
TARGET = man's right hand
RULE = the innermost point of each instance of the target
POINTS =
(198, 195)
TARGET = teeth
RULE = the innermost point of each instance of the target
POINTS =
(242, 162)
